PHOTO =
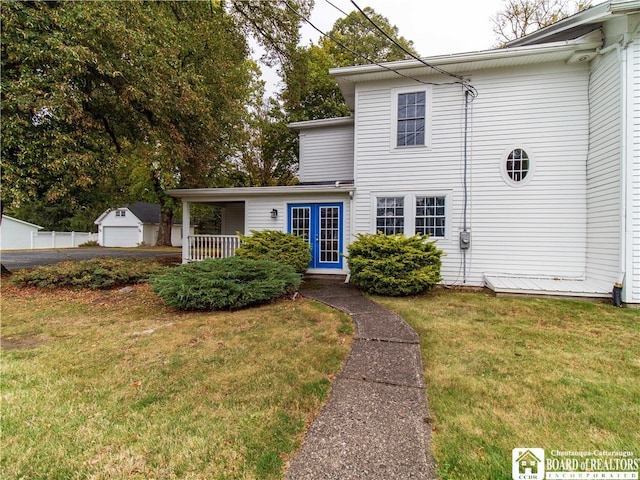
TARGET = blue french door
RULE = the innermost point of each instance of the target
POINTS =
(320, 224)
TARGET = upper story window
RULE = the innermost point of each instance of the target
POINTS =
(121, 213)
(517, 167)
(411, 119)
(411, 111)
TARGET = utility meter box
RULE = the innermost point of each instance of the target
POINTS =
(465, 240)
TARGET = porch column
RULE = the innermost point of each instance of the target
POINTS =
(186, 230)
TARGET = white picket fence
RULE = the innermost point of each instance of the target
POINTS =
(60, 239)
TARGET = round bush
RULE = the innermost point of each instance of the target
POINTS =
(276, 245)
(394, 265)
(225, 283)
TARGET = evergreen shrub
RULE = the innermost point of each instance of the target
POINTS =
(96, 273)
(225, 283)
(394, 265)
(276, 245)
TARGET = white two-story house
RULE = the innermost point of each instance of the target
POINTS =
(522, 163)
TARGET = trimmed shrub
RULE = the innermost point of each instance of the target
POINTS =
(225, 283)
(96, 273)
(394, 265)
(276, 245)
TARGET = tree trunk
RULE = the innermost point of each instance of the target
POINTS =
(164, 232)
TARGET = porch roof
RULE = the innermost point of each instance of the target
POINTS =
(240, 193)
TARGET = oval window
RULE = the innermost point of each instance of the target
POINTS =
(517, 166)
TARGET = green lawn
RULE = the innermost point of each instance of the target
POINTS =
(503, 373)
(102, 384)
(111, 385)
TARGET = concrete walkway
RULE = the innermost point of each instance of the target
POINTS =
(375, 424)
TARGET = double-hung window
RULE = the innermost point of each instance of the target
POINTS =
(411, 118)
(410, 122)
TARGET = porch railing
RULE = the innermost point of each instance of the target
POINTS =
(212, 246)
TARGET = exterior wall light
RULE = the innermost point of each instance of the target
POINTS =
(274, 213)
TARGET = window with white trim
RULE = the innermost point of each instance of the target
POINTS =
(121, 213)
(390, 215)
(517, 166)
(412, 213)
(410, 112)
(431, 216)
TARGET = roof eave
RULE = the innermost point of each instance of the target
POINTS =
(321, 123)
(239, 193)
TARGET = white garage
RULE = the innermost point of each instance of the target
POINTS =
(133, 225)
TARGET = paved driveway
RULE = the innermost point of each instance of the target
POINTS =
(17, 259)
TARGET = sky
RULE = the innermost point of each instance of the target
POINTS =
(436, 27)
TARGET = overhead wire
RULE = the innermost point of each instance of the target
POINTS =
(468, 87)
(360, 55)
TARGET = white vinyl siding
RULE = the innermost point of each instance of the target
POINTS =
(326, 154)
(16, 234)
(537, 229)
(603, 170)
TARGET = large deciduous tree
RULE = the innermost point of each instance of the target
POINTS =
(92, 89)
(522, 17)
(103, 101)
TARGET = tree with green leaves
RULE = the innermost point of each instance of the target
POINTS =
(311, 92)
(522, 17)
(90, 89)
(108, 101)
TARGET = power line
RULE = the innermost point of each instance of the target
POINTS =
(364, 57)
(467, 86)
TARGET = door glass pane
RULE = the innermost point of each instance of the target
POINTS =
(301, 222)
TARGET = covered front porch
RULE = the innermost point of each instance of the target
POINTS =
(319, 213)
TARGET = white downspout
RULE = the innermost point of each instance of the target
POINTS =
(626, 170)
(627, 173)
